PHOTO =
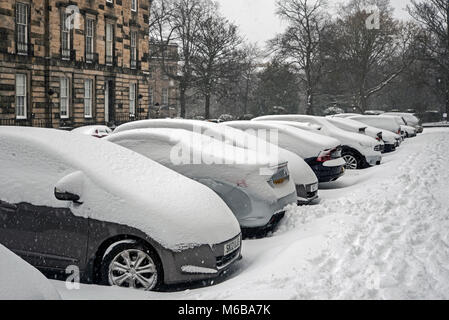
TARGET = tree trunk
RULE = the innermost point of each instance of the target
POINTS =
(182, 100)
(309, 107)
(207, 106)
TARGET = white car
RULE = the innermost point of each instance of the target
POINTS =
(385, 123)
(121, 218)
(410, 118)
(97, 131)
(410, 132)
(305, 179)
(21, 281)
(359, 151)
(389, 138)
(258, 201)
(322, 154)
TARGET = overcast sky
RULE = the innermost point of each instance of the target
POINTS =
(258, 22)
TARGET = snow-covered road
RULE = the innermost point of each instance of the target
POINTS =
(380, 233)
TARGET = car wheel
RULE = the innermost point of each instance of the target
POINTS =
(352, 160)
(131, 265)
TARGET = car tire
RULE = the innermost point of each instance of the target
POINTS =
(131, 265)
(353, 160)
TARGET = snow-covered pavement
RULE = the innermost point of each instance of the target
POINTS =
(380, 233)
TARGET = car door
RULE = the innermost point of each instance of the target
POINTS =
(17, 231)
(33, 223)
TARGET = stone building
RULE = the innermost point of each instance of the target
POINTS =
(163, 87)
(64, 64)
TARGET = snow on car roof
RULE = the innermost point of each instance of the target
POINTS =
(347, 122)
(200, 145)
(170, 208)
(300, 171)
(303, 141)
(21, 281)
(91, 129)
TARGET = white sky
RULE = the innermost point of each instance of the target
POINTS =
(258, 22)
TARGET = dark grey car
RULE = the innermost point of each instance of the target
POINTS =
(69, 200)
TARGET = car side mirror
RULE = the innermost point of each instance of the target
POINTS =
(67, 196)
(70, 188)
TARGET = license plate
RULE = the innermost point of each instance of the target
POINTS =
(231, 246)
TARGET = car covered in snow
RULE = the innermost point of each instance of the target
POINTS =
(385, 123)
(119, 217)
(359, 151)
(21, 281)
(258, 201)
(410, 118)
(410, 131)
(322, 154)
(97, 131)
(303, 176)
(389, 138)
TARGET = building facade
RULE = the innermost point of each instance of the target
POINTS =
(65, 64)
(163, 87)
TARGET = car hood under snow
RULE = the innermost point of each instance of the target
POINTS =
(124, 187)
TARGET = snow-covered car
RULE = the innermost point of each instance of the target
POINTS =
(410, 132)
(359, 151)
(322, 154)
(389, 138)
(410, 118)
(386, 123)
(97, 131)
(258, 201)
(21, 281)
(119, 217)
(303, 176)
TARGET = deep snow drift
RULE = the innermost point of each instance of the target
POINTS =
(21, 281)
(380, 233)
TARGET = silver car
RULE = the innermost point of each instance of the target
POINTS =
(237, 175)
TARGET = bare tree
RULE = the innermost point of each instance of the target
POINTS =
(299, 45)
(217, 45)
(177, 21)
(433, 15)
(370, 58)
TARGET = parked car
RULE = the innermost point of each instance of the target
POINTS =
(97, 131)
(385, 123)
(121, 218)
(410, 118)
(322, 154)
(388, 138)
(410, 132)
(234, 173)
(358, 151)
(21, 281)
(305, 180)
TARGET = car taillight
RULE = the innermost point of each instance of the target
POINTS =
(399, 132)
(324, 156)
(379, 136)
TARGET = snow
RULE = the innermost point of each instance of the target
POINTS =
(379, 233)
(20, 281)
(118, 186)
(304, 143)
(299, 169)
(200, 157)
